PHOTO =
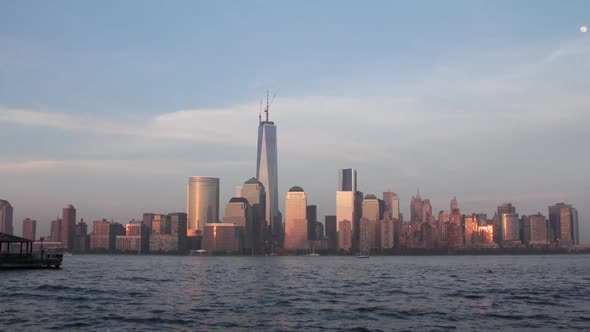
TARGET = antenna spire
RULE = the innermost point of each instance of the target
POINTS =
(267, 105)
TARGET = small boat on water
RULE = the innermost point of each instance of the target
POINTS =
(198, 252)
(17, 253)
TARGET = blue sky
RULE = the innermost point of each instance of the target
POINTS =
(112, 105)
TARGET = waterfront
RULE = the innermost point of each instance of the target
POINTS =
(115, 293)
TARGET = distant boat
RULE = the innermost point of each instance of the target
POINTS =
(198, 252)
(313, 254)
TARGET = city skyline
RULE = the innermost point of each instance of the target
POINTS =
(423, 103)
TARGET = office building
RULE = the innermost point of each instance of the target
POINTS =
(331, 233)
(510, 228)
(563, 224)
(535, 229)
(253, 191)
(202, 203)
(55, 230)
(296, 237)
(136, 239)
(6, 212)
(312, 220)
(416, 207)
(222, 238)
(81, 239)
(388, 233)
(344, 235)
(104, 235)
(173, 239)
(347, 180)
(67, 227)
(238, 212)
(267, 173)
(391, 200)
(29, 229)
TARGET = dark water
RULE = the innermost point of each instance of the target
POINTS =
(116, 293)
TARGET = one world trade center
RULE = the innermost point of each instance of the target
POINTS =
(267, 174)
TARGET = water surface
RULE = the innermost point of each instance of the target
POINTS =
(156, 293)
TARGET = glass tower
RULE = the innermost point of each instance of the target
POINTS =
(267, 172)
(202, 203)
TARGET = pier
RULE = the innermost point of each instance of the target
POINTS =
(17, 253)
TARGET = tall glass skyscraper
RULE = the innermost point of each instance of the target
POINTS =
(267, 172)
(202, 203)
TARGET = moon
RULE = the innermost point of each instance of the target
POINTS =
(583, 28)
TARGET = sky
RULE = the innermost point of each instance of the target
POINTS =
(112, 105)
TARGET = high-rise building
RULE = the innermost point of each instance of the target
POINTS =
(172, 238)
(238, 212)
(254, 192)
(563, 224)
(331, 233)
(267, 173)
(510, 228)
(416, 207)
(222, 237)
(371, 209)
(506, 208)
(296, 236)
(312, 219)
(388, 233)
(68, 227)
(104, 235)
(347, 180)
(81, 239)
(454, 204)
(345, 207)
(345, 235)
(29, 229)
(6, 212)
(202, 203)
(55, 230)
(136, 239)
(391, 204)
(535, 229)
(426, 212)
(471, 228)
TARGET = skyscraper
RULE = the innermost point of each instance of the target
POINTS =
(510, 227)
(254, 192)
(68, 226)
(29, 229)
(563, 224)
(391, 204)
(5, 217)
(347, 179)
(267, 172)
(238, 212)
(202, 203)
(416, 207)
(296, 219)
(331, 234)
(312, 219)
(55, 230)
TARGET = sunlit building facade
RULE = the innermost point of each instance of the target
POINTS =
(296, 237)
(510, 228)
(238, 212)
(388, 233)
(202, 203)
(29, 228)
(391, 200)
(535, 229)
(222, 238)
(267, 174)
(55, 230)
(563, 224)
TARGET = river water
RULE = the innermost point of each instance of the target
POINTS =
(157, 293)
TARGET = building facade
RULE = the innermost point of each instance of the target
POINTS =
(202, 203)
(222, 238)
(68, 227)
(29, 229)
(6, 212)
(296, 223)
